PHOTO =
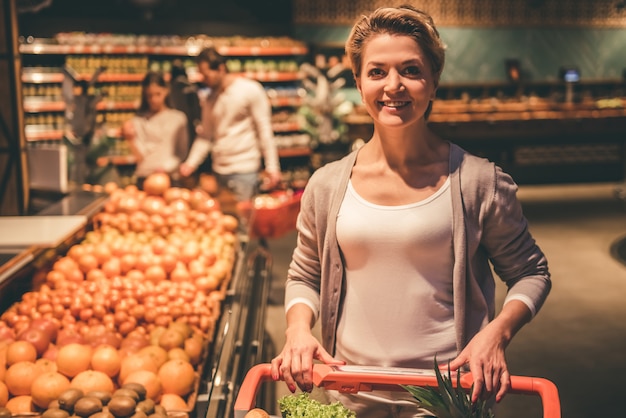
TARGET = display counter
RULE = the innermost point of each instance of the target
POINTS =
(237, 341)
(537, 142)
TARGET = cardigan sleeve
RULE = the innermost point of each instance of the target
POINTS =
(512, 250)
(304, 273)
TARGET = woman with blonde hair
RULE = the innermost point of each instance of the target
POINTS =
(396, 241)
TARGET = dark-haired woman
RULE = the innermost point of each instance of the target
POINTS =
(157, 133)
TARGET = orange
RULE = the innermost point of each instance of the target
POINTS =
(20, 405)
(47, 387)
(93, 380)
(106, 359)
(172, 402)
(149, 380)
(158, 354)
(4, 394)
(46, 365)
(73, 358)
(171, 338)
(177, 376)
(20, 351)
(134, 362)
(20, 376)
(178, 353)
(194, 349)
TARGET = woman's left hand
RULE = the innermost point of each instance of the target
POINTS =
(485, 356)
(485, 352)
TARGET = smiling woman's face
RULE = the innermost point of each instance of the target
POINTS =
(396, 80)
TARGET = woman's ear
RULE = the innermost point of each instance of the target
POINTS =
(433, 94)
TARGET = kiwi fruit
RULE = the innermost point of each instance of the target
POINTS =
(147, 406)
(160, 409)
(55, 413)
(102, 414)
(68, 398)
(127, 392)
(139, 414)
(137, 387)
(103, 395)
(122, 406)
(87, 405)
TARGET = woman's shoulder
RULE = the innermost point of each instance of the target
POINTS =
(174, 114)
(334, 169)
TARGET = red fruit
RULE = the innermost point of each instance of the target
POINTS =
(37, 338)
(47, 325)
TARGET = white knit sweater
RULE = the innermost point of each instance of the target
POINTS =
(237, 130)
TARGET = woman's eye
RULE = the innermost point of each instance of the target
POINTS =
(412, 70)
(375, 72)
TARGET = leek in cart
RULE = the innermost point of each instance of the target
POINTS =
(447, 401)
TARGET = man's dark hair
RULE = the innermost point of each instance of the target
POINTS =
(211, 57)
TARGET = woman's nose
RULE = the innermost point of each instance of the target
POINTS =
(394, 83)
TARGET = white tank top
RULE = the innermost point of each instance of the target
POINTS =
(398, 306)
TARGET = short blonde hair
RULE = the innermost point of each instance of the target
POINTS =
(403, 21)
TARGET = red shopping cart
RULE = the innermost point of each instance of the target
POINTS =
(353, 379)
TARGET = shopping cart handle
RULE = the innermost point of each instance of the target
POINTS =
(348, 379)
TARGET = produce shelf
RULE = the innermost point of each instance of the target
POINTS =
(189, 50)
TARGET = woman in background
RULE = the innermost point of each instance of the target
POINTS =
(396, 241)
(157, 133)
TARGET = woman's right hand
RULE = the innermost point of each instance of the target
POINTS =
(294, 364)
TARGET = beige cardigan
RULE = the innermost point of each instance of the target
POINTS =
(488, 226)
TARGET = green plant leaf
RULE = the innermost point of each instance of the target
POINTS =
(448, 401)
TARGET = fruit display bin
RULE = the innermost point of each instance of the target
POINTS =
(353, 379)
(242, 297)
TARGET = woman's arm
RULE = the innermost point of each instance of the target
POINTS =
(485, 352)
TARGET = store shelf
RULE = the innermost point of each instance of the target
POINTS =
(103, 78)
(286, 101)
(294, 152)
(183, 50)
(36, 106)
(116, 160)
(51, 135)
(286, 126)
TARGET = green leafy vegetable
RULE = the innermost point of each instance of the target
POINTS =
(447, 401)
(301, 405)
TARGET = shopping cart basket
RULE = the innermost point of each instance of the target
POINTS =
(353, 379)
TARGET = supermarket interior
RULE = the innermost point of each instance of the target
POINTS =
(188, 299)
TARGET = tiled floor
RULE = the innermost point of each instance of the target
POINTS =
(578, 340)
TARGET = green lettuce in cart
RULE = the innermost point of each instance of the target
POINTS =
(301, 405)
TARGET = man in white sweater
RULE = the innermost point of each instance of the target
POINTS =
(236, 129)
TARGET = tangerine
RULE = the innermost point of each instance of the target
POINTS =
(47, 387)
(92, 381)
(22, 404)
(4, 394)
(157, 353)
(73, 358)
(20, 351)
(20, 376)
(133, 362)
(106, 359)
(177, 376)
(149, 380)
(173, 402)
